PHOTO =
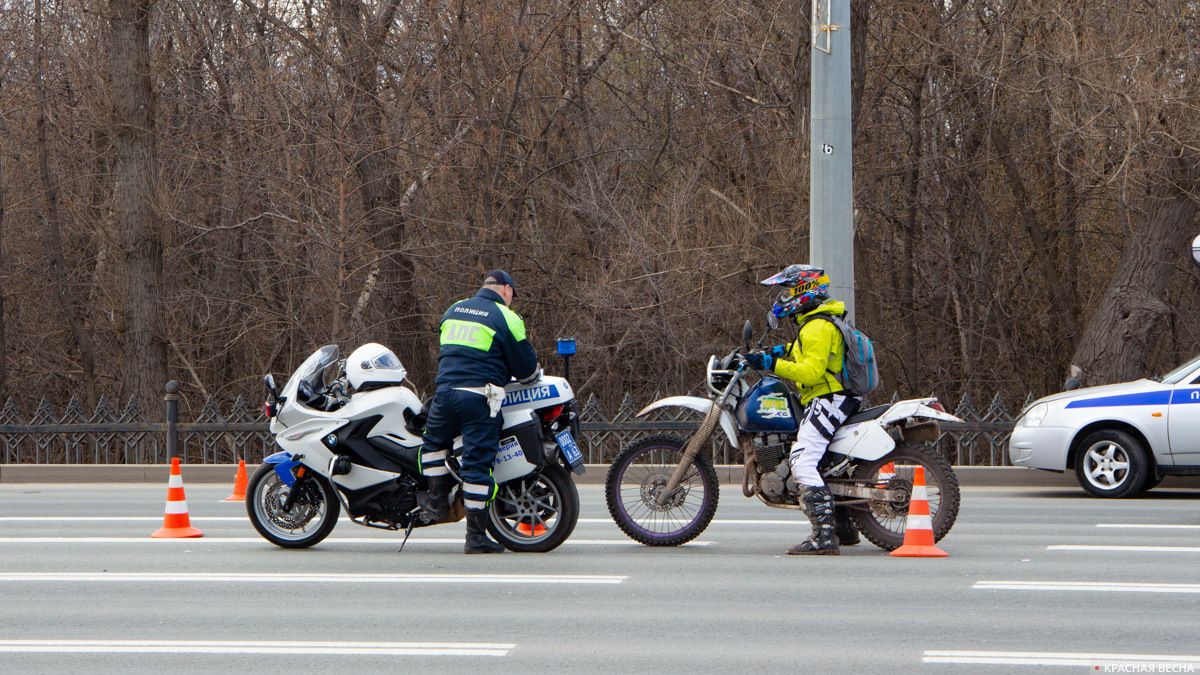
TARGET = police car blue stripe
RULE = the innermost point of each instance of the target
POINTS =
(1122, 400)
(1181, 396)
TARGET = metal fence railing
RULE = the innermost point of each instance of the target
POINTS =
(223, 434)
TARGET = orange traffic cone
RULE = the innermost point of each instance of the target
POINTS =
(918, 531)
(534, 531)
(239, 484)
(886, 473)
(176, 523)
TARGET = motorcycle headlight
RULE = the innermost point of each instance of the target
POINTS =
(718, 377)
(1034, 416)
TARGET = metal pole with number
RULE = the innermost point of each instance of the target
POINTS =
(831, 177)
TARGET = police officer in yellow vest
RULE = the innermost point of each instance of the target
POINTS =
(483, 347)
(812, 361)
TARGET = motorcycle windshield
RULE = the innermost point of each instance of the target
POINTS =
(315, 368)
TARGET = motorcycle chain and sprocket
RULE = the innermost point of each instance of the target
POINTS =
(895, 508)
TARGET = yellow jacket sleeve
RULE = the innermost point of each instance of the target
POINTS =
(807, 360)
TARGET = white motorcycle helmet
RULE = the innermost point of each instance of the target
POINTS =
(373, 366)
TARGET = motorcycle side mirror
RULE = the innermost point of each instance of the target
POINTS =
(772, 321)
(1196, 250)
(269, 382)
(747, 333)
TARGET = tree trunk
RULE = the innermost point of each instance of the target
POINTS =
(399, 324)
(135, 200)
(860, 20)
(3, 267)
(1117, 340)
(52, 229)
(801, 70)
(912, 222)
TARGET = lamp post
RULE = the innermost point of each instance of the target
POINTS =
(830, 161)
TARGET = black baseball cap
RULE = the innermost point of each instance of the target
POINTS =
(501, 278)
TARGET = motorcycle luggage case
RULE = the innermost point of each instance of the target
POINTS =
(520, 450)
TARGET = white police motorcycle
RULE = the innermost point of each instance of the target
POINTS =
(359, 451)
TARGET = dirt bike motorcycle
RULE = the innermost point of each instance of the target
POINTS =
(663, 491)
(359, 452)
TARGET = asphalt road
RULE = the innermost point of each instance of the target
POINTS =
(84, 589)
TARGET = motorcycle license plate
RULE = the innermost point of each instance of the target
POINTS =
(569, 448)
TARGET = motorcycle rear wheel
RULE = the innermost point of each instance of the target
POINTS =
(311, 519)
(883, 523)
(535, 514)
(637, 476)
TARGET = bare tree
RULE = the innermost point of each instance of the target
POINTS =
(1119, 338)
(342, 170)
(135, 198)
(52, 228)
(3, 263)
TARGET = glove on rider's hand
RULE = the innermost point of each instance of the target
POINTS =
(532, 377)
(760, 360)
(778, 351)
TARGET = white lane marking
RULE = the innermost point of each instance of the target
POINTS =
(149, 519)
(258, 540)
(1098, 586)
(100, 519)
(220, 577)
(715, 521)
(1054, 658)
(247, 647)
(1127, 549)
(1146, 526)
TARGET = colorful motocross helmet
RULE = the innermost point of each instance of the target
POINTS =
(805, 288)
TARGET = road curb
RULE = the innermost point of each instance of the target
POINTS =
(972, 476)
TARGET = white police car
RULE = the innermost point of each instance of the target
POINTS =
(1120, 439)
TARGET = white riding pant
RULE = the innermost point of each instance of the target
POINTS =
(820, 422)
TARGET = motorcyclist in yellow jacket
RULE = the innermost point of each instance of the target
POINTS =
(813, 361)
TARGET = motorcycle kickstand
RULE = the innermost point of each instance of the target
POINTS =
(407, 531)
(412, 522)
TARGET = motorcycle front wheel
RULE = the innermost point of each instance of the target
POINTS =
(535, 514)
(312, 515)
(883, 522)
(636, 478)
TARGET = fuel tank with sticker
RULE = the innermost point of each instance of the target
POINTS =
(767, 407)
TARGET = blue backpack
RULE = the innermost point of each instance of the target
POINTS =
(860, 373)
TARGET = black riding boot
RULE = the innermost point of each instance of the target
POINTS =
(477, 539)
(818, 506)
(436, 500)
(846, 533)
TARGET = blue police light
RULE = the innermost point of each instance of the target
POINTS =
(566, 346)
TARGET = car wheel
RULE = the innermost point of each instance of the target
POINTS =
(1111, 463)
(1152, 482)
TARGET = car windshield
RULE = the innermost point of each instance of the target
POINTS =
(1176, 376)
(317, 367)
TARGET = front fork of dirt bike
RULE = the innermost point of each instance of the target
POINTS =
(697, 441)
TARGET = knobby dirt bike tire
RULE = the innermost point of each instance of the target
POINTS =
(951, 495)
(612, 492)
